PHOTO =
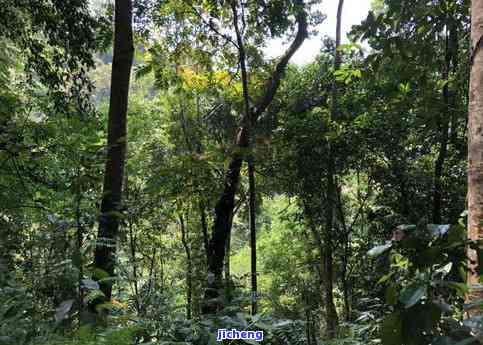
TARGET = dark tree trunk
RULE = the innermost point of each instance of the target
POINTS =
(331, 316)
(221, 230)
(116, 141)
(189, 266)
(133, 245)
(253, 233)
(444, 121)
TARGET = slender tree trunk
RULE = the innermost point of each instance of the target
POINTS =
(189, 266)
(253, 233)
(116, 141)
(331, 316)
(475, 148)
(443, 148)
(332, 319)
(454, 43)
(204, 228)
(132, 245)
(251, 173)
(444, 118)
(78, 252)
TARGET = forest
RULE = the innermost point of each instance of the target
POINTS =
(167, 179)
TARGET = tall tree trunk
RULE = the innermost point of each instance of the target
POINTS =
(116, 141)
(444, 118)
(79, 244)
(221, 230)
(331, 316)
(225, 205)
(251, 173)
(443, 145)
(475, 148)
(454, 43)
(253, 233)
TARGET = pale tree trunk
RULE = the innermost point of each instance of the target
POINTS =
(475, 148)
(116, 141)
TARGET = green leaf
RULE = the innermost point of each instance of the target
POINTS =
(412, 295)
(405, 88)
(99, 273)
(385, 277)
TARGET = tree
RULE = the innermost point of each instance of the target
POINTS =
(109, 220)
(447, 120)
(226, 203)
(331, 312)
(475, 149)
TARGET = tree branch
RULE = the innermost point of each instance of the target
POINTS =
(274, 82)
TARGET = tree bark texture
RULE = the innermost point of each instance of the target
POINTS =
(475, 149)
(104, 256)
